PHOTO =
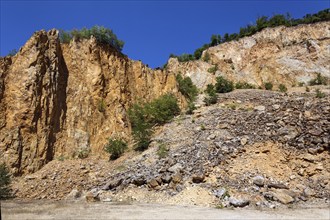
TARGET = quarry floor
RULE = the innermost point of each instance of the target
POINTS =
(44, 209)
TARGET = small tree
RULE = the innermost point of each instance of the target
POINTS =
(223, 85)
(4, 182)
(116, 147)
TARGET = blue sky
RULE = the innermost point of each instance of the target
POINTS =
(151, 30)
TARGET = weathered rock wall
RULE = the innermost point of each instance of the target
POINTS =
(286, 55)
(67, 100)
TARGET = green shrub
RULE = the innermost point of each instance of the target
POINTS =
(102, 35)
(211, 97)
(5, 181)
(268, 86)
(206, 57)
(244, 85)
(282, 88)
(319, 80)
(116, 147)
(191, 108)
(307, 89)
(143, 116)
(319, 94)
(213, 69)
(223, 85)
(162, 109)
(186, 87)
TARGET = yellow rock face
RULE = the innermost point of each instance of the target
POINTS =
(68, 99)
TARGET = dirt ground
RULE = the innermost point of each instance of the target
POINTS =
(15, 210)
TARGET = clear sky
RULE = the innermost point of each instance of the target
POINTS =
(151, 30)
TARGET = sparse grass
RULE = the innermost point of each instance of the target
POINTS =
(203, 127)
(219, 206)
(319, 80)
(319, 94)
(162, 151)
(101, 106)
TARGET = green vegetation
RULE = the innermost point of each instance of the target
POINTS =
(319, 80)
(116, 147)
(223, 85)
(143, 116)
(103, 35)
(268, 86)
(282, 88)
(188, 90)
(186, 87)
(250, 29)
(307, 89)
(5, 181)
(211, 97)
(319, 94)
(162, 151)
(244, 85)
(213, 69)
(101, 105)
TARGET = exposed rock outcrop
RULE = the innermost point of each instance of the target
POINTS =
(66, 100)
(281, 55)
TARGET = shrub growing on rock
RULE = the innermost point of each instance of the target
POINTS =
(244, 85)
(268, 86)
(116, 147)
(4, 182)
(282, 88)
(143, 116)
(103, 35)
(211, 97)
(223, 85)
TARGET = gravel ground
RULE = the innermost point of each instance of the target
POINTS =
(78, 210)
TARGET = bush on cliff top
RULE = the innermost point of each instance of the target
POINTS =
(102, 35)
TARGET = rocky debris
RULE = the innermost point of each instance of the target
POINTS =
(277, 186)
(198, 178)
(73, 195)
(238, 202)
(281, 196)
(271, 169)
(92, 197)
(259, 180)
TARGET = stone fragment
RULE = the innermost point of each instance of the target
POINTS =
(260, 108)
(175, 168)
(239, 202)
(259, 181)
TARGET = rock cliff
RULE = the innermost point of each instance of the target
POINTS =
(287, 55)
(68, 99)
